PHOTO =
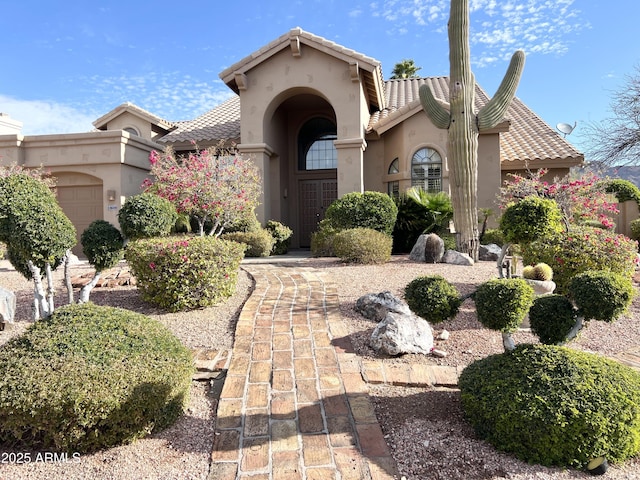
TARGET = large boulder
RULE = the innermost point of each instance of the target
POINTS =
(398, 334)
(490, 252)
(429, 248)
(375, 306)
(456, 258)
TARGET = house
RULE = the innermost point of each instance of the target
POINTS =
(319, 121)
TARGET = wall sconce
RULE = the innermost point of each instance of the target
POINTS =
(111, 195)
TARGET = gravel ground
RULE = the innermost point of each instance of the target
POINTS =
(424, 428)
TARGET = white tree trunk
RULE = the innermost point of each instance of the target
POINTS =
(576, 329)
(67, 277)
(508, 342)
(50, 288)
(40, 304)
(86, 290)
(503, 254)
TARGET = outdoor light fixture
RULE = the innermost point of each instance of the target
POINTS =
(111, 195)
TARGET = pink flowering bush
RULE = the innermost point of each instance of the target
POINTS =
(582, 249)
(582, 200)
(214, 186)
(184, 273)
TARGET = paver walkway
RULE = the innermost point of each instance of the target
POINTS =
(294, 403)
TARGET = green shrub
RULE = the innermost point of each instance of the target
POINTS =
(103, 245)
(552, 317)
(248, 222)
(582, 249)
(362, 245)
(258, 243)
(554, 406)
(532, 218)
(322, 240)
(493, 235)
(433, 298)
(147, 215)
(502, 303)
(623, 190)
(635, 229)
(91, 377)
(420, 212)
(373, 210)
(183, 273)
(282, 236)
(601, 295)
(449, 240)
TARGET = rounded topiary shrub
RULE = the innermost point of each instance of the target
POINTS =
(103, 245)
(601, 295)
(183, 273)
(433, 298)
(624, 190)
(147, 215)
(582, 249)
(362, 245)
(322, 240)
(493, 235)
(554, 406)
(258, 243)
(529, 219)
(282, 236)
(502, 303)
(552, 317)
(91, 377)
(634, 226)
(373, 210)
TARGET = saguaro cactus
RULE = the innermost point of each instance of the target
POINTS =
(465, 124)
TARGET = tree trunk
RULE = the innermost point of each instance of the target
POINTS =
(508, 342)
(83, 296)
(67, 277)
(40, 303)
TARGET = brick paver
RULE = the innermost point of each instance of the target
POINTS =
(295, 402)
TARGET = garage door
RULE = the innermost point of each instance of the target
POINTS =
(83, 205)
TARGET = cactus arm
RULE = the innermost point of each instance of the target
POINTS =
(435, 110)
(493, 112)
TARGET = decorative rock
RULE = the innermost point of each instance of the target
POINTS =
(457, 258)
(444, 335)
(7, 305)
(429, 248)
(438, 353)
(490, 252)
(398, 334)
(376, 306)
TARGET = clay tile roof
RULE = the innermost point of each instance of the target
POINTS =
(101, 122)
(528, 138)
(219, 123)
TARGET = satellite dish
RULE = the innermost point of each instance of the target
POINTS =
(566, 128)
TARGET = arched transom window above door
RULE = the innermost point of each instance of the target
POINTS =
(426, 170)
(316, 150)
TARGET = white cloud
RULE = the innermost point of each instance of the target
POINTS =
(40, 117)
(497, 28)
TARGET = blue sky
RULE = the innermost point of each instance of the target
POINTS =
(63, 64)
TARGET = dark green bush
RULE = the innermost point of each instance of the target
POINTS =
(582, 249)
(362, 245)
(493, 235)
(183, 273)
(551, 318)
(373, 210)
(433, 298)
(281, 234)
(248, 222)
(146, 216)
(601, 295)
(91, 377)
(532, 218)
(554, 406)
(502, 303)
(103, 245)
(258, 243)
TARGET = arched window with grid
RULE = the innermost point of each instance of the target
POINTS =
(426, 170)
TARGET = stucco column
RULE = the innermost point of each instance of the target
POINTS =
(260, 154)
(350, 165)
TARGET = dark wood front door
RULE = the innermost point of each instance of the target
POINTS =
(315, 197)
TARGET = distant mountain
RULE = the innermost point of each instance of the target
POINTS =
(631, 173)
